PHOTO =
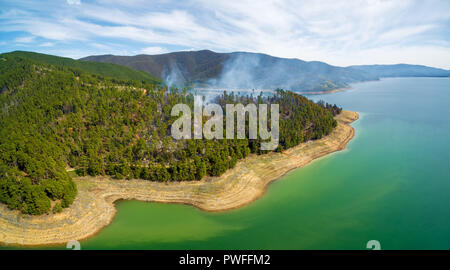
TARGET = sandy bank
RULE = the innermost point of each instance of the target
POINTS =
(94, 206)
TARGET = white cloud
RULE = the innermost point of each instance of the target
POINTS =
(47, 44)
(154, 50)
(404, 32)
(74, 2)
(101, 46)
(337, 32)
(27, 39)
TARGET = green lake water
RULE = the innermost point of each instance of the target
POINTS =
(391, 184)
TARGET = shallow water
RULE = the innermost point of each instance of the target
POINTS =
(391, 184)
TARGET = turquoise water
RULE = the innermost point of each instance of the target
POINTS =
(391, 184)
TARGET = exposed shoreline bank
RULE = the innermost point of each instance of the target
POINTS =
(324, 91)
(94, 206)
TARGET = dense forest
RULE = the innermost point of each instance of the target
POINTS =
(102, 69)
(55, 117)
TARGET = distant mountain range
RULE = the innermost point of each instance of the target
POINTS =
(253, 70)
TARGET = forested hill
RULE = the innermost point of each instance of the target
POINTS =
(253, 70)
(54, 117)
(104, 69)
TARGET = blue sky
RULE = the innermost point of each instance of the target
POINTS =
(337, 32)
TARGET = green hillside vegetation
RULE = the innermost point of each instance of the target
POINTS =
(53, 116)
(103, 69)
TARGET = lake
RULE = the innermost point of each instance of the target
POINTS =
(391, 184)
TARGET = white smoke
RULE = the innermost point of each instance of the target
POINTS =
(173, 76)
(251, 72)
(239, 72)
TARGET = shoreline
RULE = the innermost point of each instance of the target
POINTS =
(325, 91)
(94, 208)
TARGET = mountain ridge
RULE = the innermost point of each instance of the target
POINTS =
(207, 68)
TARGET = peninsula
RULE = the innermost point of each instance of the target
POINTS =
(94, 208)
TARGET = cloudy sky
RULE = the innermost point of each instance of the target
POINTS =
(341, 33)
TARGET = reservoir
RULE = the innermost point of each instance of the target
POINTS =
(391, 184)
